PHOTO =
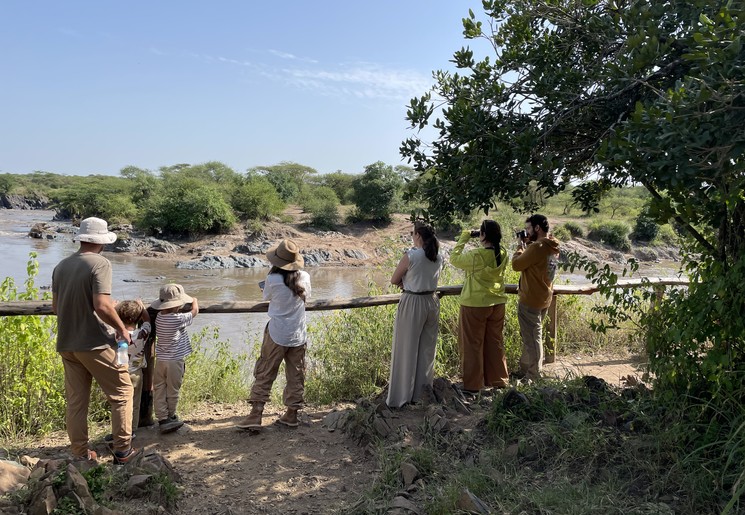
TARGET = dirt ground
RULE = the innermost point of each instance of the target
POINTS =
(308, 470)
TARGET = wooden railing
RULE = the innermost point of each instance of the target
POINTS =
(232, 307)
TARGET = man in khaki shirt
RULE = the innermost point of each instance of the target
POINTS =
(536, 260)
(81, 299)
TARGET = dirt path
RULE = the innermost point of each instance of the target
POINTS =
(308, 470)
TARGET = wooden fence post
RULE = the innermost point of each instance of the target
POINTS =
(551, 339)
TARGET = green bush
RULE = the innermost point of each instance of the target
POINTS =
(614, 234)
(322, 204)
(375, 192)
(32, 398)
(109, 198)
(667, 236)
(257, 199)
(561, 233)
(187, 207)
(341, 183)
(574, 229)
(646, 227)
(214, 372)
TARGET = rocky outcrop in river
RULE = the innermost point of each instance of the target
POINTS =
(8, 201)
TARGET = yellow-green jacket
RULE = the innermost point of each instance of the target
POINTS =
(484, 282)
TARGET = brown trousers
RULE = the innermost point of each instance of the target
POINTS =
(136, 378)
(267, 367)
(80, 369)
(481, 344)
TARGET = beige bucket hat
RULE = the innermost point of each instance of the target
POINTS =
(171, 296)
(286, 256)
(95, 230)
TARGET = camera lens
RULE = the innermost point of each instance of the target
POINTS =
(475, 234)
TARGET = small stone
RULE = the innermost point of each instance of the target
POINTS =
(409, 473)
(472, 504)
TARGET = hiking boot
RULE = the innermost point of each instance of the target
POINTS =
(253, 419)
(90, 457)
(124, 457)
(289, 419)
(169, 425)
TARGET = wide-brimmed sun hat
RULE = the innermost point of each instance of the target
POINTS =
(95, 230)
(171, 296)
(286, 256)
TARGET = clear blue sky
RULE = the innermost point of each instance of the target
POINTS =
(91, 87)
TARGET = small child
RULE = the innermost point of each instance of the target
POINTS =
(285, 338)
(172, 345)
(132, 312)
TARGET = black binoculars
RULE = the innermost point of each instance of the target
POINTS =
(475, 234)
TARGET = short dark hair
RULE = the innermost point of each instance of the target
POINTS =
(539, 220)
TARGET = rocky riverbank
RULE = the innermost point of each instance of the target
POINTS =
(362, 245)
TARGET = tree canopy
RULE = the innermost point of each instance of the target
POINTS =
(599, 93)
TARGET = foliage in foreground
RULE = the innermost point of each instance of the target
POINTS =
(575, 446)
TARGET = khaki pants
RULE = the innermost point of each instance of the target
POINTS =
(481, 345)
(531, 332)
(167, 381)
(267, 367)
(80, 369)
(136, 378)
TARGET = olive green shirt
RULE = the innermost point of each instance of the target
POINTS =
(75, 280)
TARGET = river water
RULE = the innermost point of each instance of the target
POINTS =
(138, 277)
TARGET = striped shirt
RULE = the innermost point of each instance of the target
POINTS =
(172, 339)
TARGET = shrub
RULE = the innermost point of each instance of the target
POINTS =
(574, 229)
(611, 233)
(561, 233)
(646, 227)
(257, 199)
(375, 192)
(32, 399)
(322, 204)
(188, 206)
(667, 236)
(341, 183)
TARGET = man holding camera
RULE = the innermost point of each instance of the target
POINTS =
(536, 258)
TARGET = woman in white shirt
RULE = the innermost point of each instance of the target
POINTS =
(286, 288)
(417, 318)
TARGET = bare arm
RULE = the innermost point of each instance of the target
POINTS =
(103, 305)
(398, 275)
(194, 307)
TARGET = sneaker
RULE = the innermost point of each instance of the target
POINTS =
(122, 458)
(169, 425)
(110, 438)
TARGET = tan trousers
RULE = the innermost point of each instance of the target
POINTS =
(167, 381)
(414, 348)
(80, 369)
(136, 378)
(531, 332)
(267, 367)
(481, 345)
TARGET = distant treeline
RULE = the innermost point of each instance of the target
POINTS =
(209, 198)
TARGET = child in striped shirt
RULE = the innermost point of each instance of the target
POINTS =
(171, 348)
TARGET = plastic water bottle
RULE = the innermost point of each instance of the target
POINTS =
(122, 354)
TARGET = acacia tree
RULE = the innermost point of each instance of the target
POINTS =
(608, 93)
(618, 91)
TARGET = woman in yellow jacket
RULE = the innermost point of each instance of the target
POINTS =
(480, 338)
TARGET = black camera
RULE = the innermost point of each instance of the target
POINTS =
(521, 234)
(475, 234)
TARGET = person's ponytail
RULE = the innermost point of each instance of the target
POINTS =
(430, 243)
(493, 234)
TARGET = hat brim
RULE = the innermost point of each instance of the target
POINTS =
(98, 239)
(168, 304)
(277, 261)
